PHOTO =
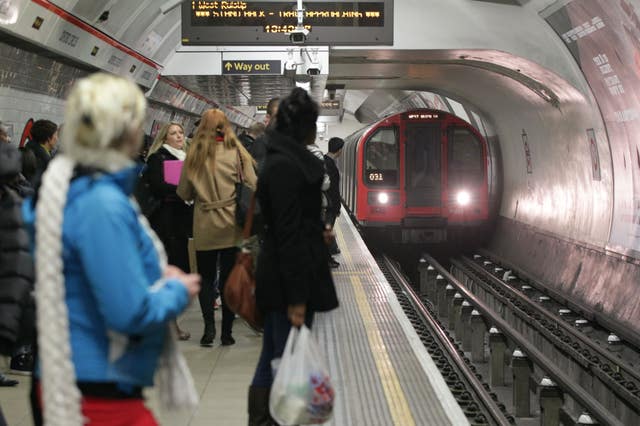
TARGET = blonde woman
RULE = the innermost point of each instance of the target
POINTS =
(215, 163)
(173, 219)
(105, 295)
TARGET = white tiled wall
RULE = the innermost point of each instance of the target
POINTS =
(17, 107)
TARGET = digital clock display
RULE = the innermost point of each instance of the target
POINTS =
(266, 22)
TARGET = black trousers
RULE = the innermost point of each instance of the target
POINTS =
(177, 252)
(331, 220)
(208, 263)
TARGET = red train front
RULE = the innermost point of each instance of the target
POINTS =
(417, 176)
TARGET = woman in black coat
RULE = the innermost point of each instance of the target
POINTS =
(172, 220)
(293, 279)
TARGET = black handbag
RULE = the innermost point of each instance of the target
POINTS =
(148, 202)
(244, 194)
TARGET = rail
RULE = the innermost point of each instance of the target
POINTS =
(591, 314)
(491, 406)
(619, 363)
(578, 393)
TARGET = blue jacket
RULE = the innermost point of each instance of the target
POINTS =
(110, 265)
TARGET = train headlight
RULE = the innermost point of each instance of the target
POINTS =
(383, 198)
(463, 198)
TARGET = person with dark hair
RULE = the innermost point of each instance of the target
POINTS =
(333, 194)
(258, 149)
(44, 138)
(293, 280)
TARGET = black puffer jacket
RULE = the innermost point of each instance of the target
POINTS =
(293, 263)
(17, 320)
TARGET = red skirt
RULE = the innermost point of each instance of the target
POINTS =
(111, 412)
(117, 412)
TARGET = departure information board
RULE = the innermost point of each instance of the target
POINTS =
(268, 22)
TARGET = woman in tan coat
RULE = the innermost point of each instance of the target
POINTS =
(216, 161)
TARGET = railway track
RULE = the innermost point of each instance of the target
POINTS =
(480, 405)
(483, 323)
(594, 358)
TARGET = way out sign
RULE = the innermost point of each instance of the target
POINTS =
(251, 67)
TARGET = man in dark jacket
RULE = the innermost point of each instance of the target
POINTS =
(44, 139)
(17, 321)
(258, 149)
(333, 193)
(255, 131)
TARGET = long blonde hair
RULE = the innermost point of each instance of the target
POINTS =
(161, 138)
(213, 124)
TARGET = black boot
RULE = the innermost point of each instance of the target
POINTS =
(259, 407)
(209, 334)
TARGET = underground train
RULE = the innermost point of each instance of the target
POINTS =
(419, 176)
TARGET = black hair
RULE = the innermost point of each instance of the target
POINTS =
(297, 115)
(42, 130)
(335, 144)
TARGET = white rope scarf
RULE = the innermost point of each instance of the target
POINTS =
(60, 396)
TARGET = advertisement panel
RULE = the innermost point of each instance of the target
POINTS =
(604, 38)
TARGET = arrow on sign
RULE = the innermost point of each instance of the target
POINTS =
(228, 66)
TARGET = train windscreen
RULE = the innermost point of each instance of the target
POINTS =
(422, 160)
(466, 166)
(382, 159)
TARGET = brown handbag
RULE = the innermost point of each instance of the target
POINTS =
(240, 288)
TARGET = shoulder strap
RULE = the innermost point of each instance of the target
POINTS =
(248, 222)
(241, 166)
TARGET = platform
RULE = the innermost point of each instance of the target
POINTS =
(382, 373)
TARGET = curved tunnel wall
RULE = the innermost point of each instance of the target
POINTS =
(558, 209)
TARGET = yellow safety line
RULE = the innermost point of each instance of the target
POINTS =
(396, 400)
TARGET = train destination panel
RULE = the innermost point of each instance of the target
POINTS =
(269, 22)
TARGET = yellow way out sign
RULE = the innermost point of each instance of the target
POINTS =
(251, 67)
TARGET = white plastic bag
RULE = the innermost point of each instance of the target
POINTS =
(301, 392)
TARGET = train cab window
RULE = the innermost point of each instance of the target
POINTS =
(466, 163)
(381, 158)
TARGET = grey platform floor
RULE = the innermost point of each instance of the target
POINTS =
(381, 372)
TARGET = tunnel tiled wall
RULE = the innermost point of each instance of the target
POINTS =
(33, 86)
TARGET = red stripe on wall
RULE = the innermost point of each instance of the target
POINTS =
(95, 32)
